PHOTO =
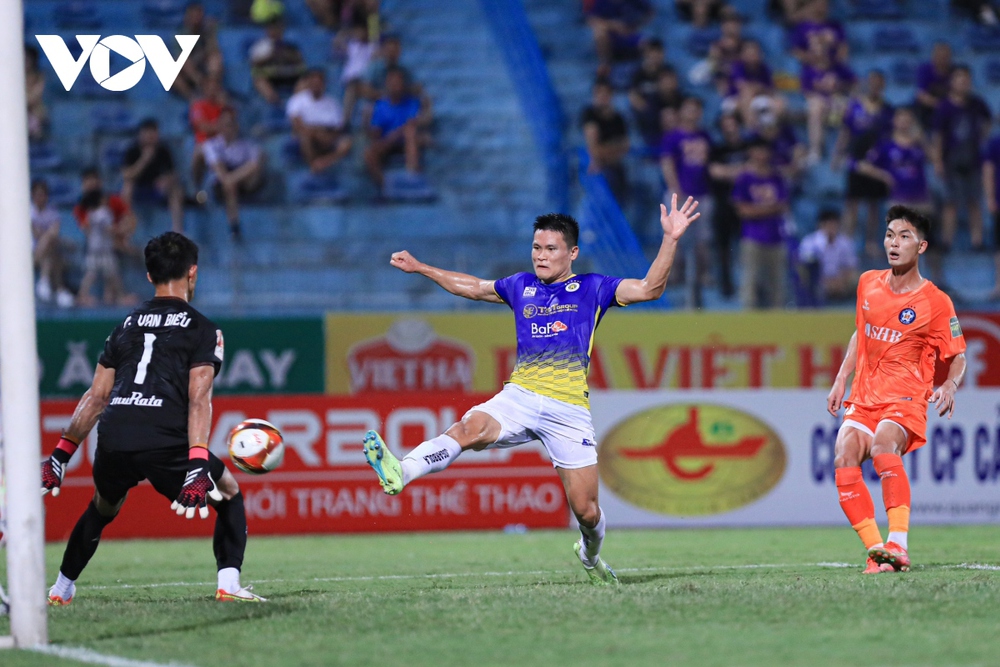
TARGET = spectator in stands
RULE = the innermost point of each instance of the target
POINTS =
(661, 109)
(643, 87)
(726, 161)
(276, 64)
(34, 80)
(773, 126)
(334, 14)
(724, 52)
(961, 125)
(828, 259)
(684, 162)
(358, 52)
(389, 55)
(100, 260)
(237, 166)
(981, 11)
(204, 118)
(148, 173)
(606, 135)
(399, 124)
(761, 199)
(206, 58)
(826, 85)
(991, 186)
(815, 33)
(933, 82)
(123, 221)
(318, 123)
(700, 12)
(867, 121)
(901, 163)
(47, 249)
(615, 25)
(750, 79)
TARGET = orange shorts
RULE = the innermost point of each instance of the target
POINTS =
(910, 415)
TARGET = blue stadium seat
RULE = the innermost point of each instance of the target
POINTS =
(895, 38)
(113, 119)
(875, 9)
(43, 157)
(63, 191)
(984, 38)
(77, 14)
(401, 185)
(163, 13)
(699, 41)
(310, 188)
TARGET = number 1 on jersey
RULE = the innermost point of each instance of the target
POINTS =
(147, 355)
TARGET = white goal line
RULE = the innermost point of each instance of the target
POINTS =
(516, 573)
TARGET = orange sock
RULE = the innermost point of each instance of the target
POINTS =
(857, 505)
(895, 491)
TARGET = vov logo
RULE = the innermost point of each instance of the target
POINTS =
(137, 51)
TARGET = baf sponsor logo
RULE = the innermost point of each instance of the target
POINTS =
(548, 329)
(691, 459)
(98, 50)
(411, 357)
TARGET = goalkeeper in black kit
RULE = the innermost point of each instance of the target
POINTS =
(152, 402)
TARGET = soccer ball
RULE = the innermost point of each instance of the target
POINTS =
(256, 446)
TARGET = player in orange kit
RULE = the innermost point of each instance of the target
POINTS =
(904, 323)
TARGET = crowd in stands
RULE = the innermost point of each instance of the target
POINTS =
(770, 129)
(375, 103)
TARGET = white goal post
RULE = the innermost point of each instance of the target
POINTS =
(18, 349)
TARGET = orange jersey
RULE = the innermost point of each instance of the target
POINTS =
(899, 338)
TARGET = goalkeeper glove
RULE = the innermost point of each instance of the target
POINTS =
(198, 486)
(54, 467)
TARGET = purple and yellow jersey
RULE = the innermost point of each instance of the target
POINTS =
(555, 331)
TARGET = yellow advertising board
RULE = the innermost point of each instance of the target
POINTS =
(475, 352)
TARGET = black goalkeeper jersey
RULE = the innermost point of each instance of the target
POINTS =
(153, 351)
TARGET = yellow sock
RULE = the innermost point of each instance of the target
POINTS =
(868, 531)
(899, 519)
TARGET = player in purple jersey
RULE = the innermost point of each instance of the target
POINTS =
(556, 313)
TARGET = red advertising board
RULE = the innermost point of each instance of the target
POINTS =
(324, 485)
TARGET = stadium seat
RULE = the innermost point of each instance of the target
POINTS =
(400, 185)
(895, 38)
(984, 38)
(310, 188)
(163, 13)
(77, 14)
(113, 119)
(43, 157)
(875, 9)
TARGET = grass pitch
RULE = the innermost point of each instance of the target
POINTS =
(688, 597)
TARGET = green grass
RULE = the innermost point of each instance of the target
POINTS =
(522, 600)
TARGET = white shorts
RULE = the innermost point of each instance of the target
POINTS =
(566, 431)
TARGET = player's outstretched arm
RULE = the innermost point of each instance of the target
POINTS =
(87, 412)
(944, 397)
(836, 396)
(674, 222)
(198, 483)
(459, 284)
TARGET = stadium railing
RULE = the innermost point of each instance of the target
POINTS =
(538, 97)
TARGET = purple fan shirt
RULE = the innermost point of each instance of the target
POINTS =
(961, 128)
(835, 78)
(931, 81)
(690, 151)
(740, 72)
(992, 154)
(751, 188)
(865, 128)
(907, 166)
(830, 32)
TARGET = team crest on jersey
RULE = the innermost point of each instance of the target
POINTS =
(907, 316)
(530, 311)
(530, 290)
(220, 346)
(572, 287)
